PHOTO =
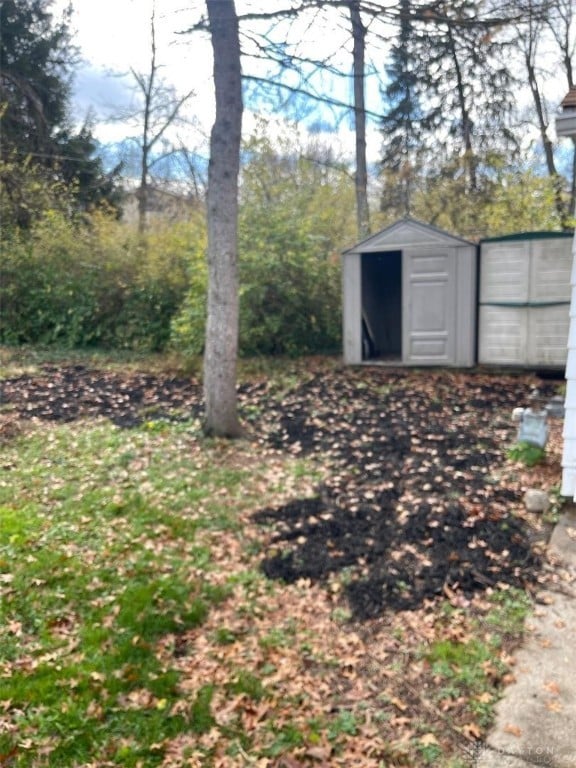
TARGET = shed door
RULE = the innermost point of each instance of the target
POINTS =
(429, 307)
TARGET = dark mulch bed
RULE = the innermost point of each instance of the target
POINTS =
(75, 392)
(412, 506)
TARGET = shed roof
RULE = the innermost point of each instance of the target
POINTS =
(526, 236)
(569, 101)
(404, 233)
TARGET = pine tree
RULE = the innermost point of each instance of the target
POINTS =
(404, 122)
(449, 94)
(37, 59)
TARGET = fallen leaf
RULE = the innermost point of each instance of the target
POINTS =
(471, 731)
(513, 730)
(484, 698)
(560, 624)
(95, 710)
(398, 703)
(319, 753)
(288, 762)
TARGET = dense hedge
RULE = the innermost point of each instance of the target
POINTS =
(93, 283)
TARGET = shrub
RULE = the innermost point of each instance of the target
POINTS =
(289, 303)
(94, 282)
(45, 293)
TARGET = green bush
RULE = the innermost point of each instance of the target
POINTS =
(94, 282)
(189, 323)
(91, 281)
(148, 280)
(45, 295)
(296, 213)
(289, 304)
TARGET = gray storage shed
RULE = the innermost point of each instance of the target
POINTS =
(409, 297)
(524, 299)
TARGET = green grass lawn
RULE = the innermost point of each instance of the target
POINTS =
(99, 559)
(107, 541)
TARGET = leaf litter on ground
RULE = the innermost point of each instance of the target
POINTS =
(344, 587)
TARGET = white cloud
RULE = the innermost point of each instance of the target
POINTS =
(114, 37)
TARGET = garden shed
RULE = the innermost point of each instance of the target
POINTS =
(524, 299)
(409, 297)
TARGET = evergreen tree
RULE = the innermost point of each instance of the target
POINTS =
(448, 93)
(35, 61)
(473, 85)
(36, 66)
(81, 168)
(404, 121)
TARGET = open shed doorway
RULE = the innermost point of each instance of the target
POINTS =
(381, 286)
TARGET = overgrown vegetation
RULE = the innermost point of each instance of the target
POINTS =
(87, 281)
(92, 282)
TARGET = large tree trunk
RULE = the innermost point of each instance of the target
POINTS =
(222, 199)
(361, 176)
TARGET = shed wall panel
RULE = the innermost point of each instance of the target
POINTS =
(551, 266)
(352, 308)
(505, 275)
(466, 305)
(548, 329)
(502, 335)
(524, 295)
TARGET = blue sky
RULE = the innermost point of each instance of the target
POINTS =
(114, 36)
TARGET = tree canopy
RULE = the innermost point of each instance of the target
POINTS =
(37, 60)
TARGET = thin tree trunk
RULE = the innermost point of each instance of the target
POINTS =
(221, 347)
(147, 91)
(143, 193)
(546, 142)
(361, 176)
(530, 38)
(469, 156)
